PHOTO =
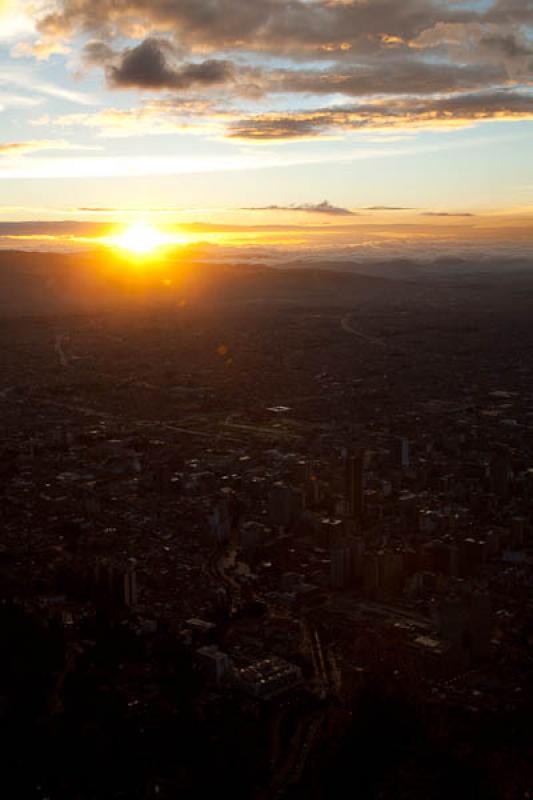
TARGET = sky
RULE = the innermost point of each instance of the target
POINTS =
(368, 127)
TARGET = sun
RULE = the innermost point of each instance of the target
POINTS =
(140, 239)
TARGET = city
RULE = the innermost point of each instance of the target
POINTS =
(264, 534)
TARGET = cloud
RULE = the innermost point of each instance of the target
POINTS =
(452, 111)
(293, 26)
(505, 11)
(155, 117)
(55, 228)
(508, 45)
(20, 148)
(149, 66)
(351, 245)
(41, 50)
(309, 208)
(298, 29)
(481, 43)
(368, 64)
(152, 65)
(25, 79)
(10, 100)
(392, 77)
(447, 214)
(173, 114)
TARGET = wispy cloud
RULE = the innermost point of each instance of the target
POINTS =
(25, 79)
(388, 208)
(309, 208)
(447, 214)
(36, 145)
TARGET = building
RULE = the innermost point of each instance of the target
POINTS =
(109, 586)
(130, 588)
(268, 677)
(465, 620)
(354, 485)
(330, 532)
(390, 571)
(400, 452)
(200, 630)
(219, 524)
(302, 471)
(342, 566)
(500, 472)
(214, 663)
(252, 535)
(280, 505)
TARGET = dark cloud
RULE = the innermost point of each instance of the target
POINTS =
(149, 66)
(510, 11)
(152, 65)
(507, 45)
(280, 25)
(447, 214)
(310, 208)
(393, 77)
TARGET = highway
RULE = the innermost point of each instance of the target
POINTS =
(347, 325)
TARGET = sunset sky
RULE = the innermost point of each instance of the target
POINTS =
(361, 125)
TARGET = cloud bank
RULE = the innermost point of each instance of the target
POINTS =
(347, 64)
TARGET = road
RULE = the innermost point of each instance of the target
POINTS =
(347, 325)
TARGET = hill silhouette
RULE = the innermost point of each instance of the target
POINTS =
(42, 283)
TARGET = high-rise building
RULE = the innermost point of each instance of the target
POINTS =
(500, 472)
(402, 452)
(285, 504)
(302, 471)
(213, 662)
(341, 566)
(130, 588)
(465, 619)
(354, 485)
(346, 562)
(219, 524)
(390, 571)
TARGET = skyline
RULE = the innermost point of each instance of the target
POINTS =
(379, 117)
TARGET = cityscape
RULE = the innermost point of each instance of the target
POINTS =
(265, 536)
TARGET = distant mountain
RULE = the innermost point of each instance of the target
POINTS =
(42, 283)
(444, 267)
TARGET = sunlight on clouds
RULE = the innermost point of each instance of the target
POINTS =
(15, 19)
(41, 49)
